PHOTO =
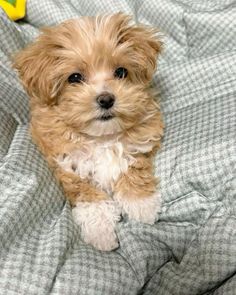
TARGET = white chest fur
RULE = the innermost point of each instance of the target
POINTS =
(101, 163)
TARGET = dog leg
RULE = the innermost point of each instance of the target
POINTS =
(95, 212)
(97, 221)
(135, 192)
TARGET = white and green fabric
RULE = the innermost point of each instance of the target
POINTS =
(191, 250)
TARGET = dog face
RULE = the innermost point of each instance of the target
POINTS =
(92, 73)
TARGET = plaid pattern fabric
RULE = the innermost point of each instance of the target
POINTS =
(191, 249)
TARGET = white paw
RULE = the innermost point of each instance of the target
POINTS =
(140, 209)
(97, 221)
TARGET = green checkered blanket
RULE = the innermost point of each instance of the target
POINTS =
(192, 248)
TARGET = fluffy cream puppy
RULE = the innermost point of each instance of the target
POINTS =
(94, 117)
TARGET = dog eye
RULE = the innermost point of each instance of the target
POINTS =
(121, 73)
(75, 78)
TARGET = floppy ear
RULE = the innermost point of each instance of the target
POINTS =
(143, 41)
(36, 67)
(147, 47)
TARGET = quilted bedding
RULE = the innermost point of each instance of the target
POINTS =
(192, 248)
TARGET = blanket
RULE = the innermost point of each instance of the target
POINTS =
(191, 250)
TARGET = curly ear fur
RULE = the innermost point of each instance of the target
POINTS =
(140, 42)
(147, 47)
(38, 68)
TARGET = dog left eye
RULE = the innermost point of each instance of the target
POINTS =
(76, 78)
(121, 73)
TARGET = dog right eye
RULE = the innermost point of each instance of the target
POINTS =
(75, 78)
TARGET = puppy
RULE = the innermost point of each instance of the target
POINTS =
(95, 119)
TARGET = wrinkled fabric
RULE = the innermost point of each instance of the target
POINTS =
(192, 248)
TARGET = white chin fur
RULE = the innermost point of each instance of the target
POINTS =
(101, 128)
(140, 209)
(97, 221)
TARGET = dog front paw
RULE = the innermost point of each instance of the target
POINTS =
(144, 209)
(97, 221)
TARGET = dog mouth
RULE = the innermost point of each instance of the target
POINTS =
(103, 124)
(105, 117)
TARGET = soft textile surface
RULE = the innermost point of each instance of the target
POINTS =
(192, 249)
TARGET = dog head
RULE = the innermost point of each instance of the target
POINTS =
(92, 73)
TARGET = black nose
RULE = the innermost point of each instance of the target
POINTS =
(106, 100)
